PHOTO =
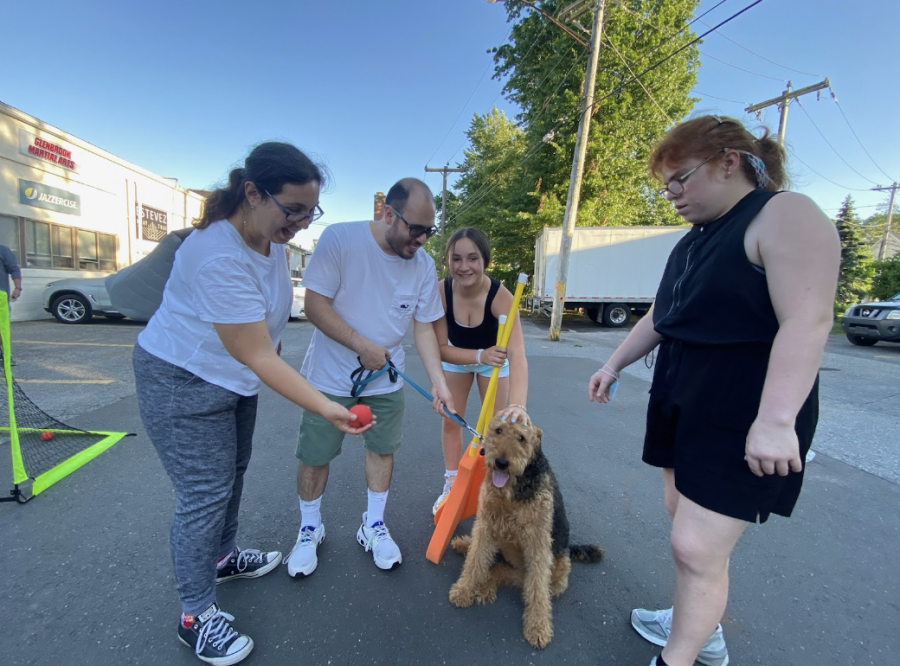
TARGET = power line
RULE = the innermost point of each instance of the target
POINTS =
(628, 67)
(733, 101)
(762, 57)
(834, 97)
(844, 187)
(824, 138)
(748, 71)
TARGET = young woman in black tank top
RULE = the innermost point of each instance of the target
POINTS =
(468, 339)
(742, 315)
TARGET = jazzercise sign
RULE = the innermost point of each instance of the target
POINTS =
(51, 198)
(48, 151)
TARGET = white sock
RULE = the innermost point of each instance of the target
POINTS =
(375, 509)
(310, 513)
(449, 478)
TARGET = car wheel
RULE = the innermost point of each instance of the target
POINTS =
(72, 309)
(616, 315)
(861, 341)
(593, 314)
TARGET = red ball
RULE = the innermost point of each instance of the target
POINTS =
(363, 415)
(46, 435)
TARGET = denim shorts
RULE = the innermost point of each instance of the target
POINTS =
(482, 369)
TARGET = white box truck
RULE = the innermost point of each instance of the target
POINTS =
(611, 269)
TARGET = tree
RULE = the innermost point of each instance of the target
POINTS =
(857, 267)
(545, 69)
(518, 181)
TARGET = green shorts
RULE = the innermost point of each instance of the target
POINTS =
(320, 442)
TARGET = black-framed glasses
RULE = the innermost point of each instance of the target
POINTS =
(676, 185)
(416, 230)
(294, 217)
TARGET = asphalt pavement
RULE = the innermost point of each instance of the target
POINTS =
(88, 577)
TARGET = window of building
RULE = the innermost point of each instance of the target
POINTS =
(50, 245)
(9, 234)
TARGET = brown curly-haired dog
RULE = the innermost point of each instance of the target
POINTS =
(521, 533)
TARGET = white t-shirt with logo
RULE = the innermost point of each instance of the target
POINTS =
(377, 294)
(218, 279)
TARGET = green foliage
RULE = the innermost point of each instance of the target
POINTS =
(518, 176)
(857, 267)
(886, 282)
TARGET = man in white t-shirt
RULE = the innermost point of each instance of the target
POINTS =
(365, 282)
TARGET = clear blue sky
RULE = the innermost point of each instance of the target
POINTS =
(376, 90)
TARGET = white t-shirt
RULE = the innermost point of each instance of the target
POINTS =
(218, 279)
(377, 294)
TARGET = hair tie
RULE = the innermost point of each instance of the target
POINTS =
(759, 168)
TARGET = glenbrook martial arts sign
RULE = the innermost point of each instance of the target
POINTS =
(55, 152)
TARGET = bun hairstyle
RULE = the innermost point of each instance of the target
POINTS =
(270, 166)
(702, 136)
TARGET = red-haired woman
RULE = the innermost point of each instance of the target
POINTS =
(741, 317)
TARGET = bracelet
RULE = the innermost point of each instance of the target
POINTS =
(522, 407)
(612, 373)
(478, 356)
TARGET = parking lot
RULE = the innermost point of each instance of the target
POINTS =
(87, 562)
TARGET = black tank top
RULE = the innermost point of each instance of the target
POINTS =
(710, 293)
(477, 337)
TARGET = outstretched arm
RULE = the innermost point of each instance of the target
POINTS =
(642, 339)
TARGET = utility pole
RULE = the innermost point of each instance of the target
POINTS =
(574, 197)
(444, 170)
(783, 101)
(887, 227)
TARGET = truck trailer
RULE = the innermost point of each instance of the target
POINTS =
(612, 270)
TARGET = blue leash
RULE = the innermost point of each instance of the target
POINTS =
(360, 382)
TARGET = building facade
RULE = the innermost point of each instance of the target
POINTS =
(70, 209)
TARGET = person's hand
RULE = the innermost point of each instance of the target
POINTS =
(515, 414)
(373, 357)
(342, 419)
(598, 386)
(14, 296)
(772, 448)
(494, 356)
(442, 397)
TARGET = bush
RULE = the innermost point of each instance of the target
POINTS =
(887, 278)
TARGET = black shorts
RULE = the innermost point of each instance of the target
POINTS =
(703, 401)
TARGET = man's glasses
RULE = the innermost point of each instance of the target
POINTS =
(293, 216)
(416, 230)
(676, 185)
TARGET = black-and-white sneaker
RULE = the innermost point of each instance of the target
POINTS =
(247, 564)
(213, 639)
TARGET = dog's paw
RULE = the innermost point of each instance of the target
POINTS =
(539, 634)
(487, 595)
(461, 544)
(460, 596)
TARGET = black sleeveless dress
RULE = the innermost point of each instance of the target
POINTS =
(717, 321)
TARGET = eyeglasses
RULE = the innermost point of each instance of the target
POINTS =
(676, 186)
(415, 230)
(293, 216)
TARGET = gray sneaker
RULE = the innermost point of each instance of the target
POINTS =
(655, 626)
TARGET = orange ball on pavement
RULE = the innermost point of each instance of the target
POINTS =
(363, 415)
(46, 435)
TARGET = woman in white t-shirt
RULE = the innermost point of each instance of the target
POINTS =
(199, 365)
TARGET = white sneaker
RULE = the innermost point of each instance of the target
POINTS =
(655, 626)
(448, 486)
(378, 539)
(302, 558)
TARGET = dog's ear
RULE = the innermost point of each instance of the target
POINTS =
(538, 433)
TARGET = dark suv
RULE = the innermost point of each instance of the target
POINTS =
(868, 323)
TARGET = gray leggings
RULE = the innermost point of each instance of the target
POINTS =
(203, 434)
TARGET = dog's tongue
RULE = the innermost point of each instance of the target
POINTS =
(499, 478)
